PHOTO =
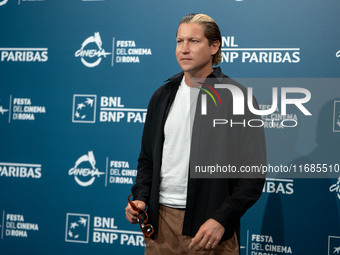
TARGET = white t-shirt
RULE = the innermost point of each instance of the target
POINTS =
(176, 148)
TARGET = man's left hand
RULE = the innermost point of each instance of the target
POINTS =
(208, 236)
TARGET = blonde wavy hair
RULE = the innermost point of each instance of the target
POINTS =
(211, 31)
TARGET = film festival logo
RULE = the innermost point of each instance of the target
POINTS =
(336, 117)
(336, 188)
(77, 228)
(84, 108)
(337, 54)
(85, 171)
(3, 2)
(333, 245)
(91, 51)
(2, 110)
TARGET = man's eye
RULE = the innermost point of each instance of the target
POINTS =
(194, 41)
(179, 41)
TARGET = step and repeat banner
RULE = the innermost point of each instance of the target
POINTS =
(76, 77)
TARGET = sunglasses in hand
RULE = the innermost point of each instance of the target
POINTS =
(142, 219)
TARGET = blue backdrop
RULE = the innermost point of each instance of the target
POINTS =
(75, 80)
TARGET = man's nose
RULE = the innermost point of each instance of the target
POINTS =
(185, 48)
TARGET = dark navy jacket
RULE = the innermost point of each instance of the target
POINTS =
(223, 199)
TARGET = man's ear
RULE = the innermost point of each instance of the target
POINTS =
(214, 47)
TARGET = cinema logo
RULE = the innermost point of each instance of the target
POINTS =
(265, 244)
(119, 172)
(22, 109)
(3, 2)
(27, 55)
(15, 225)
(337, 54)
(20, 170)
(91, 52)
(231, 53)
(85, 171)
(336, 188)
(239, 105)
(81, 228)
(111, 110)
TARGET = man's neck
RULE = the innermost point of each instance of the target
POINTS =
(202, 74)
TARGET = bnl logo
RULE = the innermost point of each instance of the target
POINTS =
(84, 108)
(77, 228)
(333, 245)
(336, 116)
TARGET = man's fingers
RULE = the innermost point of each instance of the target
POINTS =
(196, 239)
(203, 243)
(131, 215)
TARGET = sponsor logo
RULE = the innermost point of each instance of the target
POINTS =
(336, 116)
(82, 228)
(28, 55)
(333, 245)
(19, 170)
(84, 108)
(336, 188)
(231, 53)
(91, 52)
(85, 171)
(16, 225)
(279, 186)
(111, 109)
(77, 228)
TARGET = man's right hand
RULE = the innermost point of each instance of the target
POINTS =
(130, 214)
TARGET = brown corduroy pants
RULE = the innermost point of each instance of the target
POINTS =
(170, 241)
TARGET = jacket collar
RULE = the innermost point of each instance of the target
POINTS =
(177, 78)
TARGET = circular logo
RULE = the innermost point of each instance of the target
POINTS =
(3, 2)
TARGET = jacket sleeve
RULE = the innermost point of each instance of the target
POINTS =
(246, 191)
(141, 190)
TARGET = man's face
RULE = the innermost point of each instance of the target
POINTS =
(193, 51)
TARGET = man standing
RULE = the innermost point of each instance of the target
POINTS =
(194, 215)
